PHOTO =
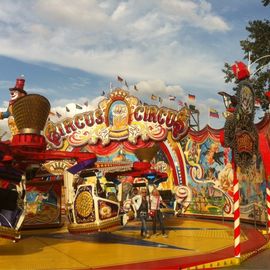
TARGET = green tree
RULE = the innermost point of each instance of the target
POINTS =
(257, 45)
(266, 2)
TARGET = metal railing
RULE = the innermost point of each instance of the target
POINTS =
(257, 214)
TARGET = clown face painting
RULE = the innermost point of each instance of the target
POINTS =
(16, 92)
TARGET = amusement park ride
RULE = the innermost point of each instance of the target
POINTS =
(198, 180)
(88, 207)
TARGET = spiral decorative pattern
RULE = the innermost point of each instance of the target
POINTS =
(236, 208)
(84, 204)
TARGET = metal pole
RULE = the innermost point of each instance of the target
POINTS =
(268, 204)
(268, 55)
(236, 212)
(254, 214)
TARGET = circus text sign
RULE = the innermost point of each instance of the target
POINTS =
(118, 117)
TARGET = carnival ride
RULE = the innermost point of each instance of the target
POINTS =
(25, 151)
(88, 207)
(91, 207)
(98, 191)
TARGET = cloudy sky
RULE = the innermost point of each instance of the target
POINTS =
(71, 51)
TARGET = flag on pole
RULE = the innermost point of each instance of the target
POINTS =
(213, 113)
(120, 79)
(153, 97)
(180, 103)
(160, 100)
(135, 88)
(78, 107)
(191, 97)
(172, 97)
(67, 109)
(86, 103)
(58, 114)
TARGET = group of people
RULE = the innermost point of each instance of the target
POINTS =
(146, 206)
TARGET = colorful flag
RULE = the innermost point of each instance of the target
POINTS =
(86, 103)
(78, 107)
(191, 97)
(135, 88)
(213, 113)
(172, 97)
(180, 103)
(58, 114)
(67, 109)
(160, 100)
(153, 97)
(120, 79)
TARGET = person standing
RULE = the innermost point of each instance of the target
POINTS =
(141, 203)
(155, 202)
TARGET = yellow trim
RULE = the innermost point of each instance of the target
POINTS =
(9, 233)
(229, 261)
(94, 226)
(217, 264)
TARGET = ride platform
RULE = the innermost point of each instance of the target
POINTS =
(191, 244)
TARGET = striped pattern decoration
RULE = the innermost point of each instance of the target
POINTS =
(236, 208)
(268, 204)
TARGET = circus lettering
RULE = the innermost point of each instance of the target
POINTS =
(118, 117)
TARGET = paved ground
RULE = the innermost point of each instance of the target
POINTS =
(189, 242)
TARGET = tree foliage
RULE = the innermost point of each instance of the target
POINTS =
(257, 47)
(266, 2)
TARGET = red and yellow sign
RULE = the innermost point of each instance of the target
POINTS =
(118, 117)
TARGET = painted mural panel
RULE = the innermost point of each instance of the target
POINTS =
(210, 177)
(252, 187)
(43, 204)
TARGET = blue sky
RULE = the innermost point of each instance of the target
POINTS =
(70, 51)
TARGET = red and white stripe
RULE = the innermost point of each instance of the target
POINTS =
(268, 204)
(236, 208)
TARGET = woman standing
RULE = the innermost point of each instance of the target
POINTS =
(141, 202)
(155, 201)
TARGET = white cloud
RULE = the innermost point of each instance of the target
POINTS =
(195, 13)
(83, 15)
(139, 39)
(158, 88)
(119, 12)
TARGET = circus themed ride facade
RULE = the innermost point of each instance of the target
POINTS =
(89, 166)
